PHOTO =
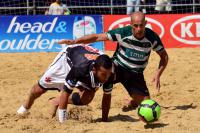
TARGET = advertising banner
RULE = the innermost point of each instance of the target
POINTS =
(175, 30)
(41, 33)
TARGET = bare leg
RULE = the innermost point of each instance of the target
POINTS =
(35, 92)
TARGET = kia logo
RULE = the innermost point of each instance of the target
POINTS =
(191, 30)
(120, 22)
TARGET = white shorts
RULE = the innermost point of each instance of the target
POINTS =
(160, 7)
(54, 77)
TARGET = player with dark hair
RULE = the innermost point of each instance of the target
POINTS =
(78, 66)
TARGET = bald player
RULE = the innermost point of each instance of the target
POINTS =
(134, 45)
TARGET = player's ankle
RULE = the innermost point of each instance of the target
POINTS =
(62, 115)
(22, 110)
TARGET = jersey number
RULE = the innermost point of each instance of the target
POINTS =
(91, 49)
(91, 56)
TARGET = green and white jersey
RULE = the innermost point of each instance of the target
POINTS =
(131, 53)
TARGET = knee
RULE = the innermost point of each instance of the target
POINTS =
(87, 97)
(81, 100)
(76, 99)
(86, 101)
(37, 91)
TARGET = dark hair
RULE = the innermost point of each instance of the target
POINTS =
(103, 61)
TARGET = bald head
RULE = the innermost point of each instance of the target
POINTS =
(138, 16)
(138, 23)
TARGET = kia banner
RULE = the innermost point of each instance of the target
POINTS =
(41, 33)
(175, 30)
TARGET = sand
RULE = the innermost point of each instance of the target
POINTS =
(179, 97)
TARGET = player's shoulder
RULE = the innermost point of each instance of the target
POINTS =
(149, 33)
(123, 31)
(127, 29)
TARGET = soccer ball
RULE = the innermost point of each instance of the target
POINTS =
(149, 111)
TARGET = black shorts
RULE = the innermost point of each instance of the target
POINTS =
(133, 82)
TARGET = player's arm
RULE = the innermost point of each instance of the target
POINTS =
(163, 61)
(85, 39)
(106, 101)
(160, 50)
(162, 65)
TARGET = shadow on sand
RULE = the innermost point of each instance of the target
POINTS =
(155, 125)
(119, 117)
(180, 107)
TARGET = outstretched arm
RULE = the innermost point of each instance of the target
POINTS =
(162, 65)
(85, 39)
(106, 101)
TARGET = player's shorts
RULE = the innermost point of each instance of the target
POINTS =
(160, 7)
(133, 82)
(54, 77)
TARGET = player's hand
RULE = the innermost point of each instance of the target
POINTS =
(156, 81)
(66, 41)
